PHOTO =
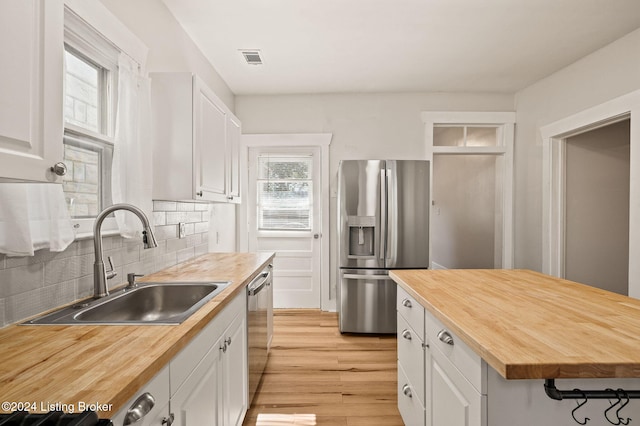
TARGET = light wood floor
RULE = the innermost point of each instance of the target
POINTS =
(316, 376)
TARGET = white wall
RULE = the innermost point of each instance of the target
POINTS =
(170, 48)
(608, 73)
(384, 125)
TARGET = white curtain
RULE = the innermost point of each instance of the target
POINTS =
(132, 172)
(33, 216)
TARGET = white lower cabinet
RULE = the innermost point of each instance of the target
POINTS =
(411, 359)
(441, 381)
(206, 383)
(215, 391)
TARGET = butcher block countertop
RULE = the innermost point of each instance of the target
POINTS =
(107, 364)
(527, 325)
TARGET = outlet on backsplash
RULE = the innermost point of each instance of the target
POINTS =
(182, 230)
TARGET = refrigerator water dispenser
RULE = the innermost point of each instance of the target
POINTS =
(361, 236)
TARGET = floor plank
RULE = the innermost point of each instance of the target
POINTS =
(317, 376)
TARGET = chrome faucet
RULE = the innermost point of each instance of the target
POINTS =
(99, 272)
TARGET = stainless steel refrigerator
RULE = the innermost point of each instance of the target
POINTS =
(383, 224)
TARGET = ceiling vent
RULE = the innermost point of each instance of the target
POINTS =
(252, 57)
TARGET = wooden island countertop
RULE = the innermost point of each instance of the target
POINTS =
(107, 364)
(527, 325)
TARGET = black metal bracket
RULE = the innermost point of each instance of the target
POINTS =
(618, 395)
(557, 394)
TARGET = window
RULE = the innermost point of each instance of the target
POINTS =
(90, 82)
(284, 188)
(465, 136)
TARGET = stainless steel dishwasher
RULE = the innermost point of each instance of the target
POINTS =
(257, 314)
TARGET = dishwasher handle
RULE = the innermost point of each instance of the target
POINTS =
(256, 285)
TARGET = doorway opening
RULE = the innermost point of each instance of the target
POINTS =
(596, 199)
(558, 240)
(472, 189)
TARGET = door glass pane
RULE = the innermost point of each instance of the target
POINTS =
(466, 216)
(482, 136)
(284, 193)
(448, 135)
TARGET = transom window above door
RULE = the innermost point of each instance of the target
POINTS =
(285, 189)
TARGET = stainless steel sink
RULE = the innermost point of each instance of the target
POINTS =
(148, 303)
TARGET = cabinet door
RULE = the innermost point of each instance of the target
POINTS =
(31, 53)
(234, 130)
(196, 401)
(454, 401)
(209, 159)
(234, 373)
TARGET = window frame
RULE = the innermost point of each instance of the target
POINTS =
(96, 34)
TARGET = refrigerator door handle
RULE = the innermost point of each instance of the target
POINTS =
(365, 277)
(383, 214)
(392, 214)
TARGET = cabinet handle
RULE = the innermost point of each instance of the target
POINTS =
(406, 303)
(168, 420)
(60, 169)
(406, 334)
(139, 408)
(406, 390)
(445, 337)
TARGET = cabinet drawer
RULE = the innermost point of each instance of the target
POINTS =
(183, 363)
(410, 407)
(411, 356)
(457, 352)
(410, 310)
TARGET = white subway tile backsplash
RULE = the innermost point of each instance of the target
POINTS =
(159, 218)
(173, 218)
(186, 254)
(60, 270)
(21, 279)
(193, 217)
(31, 285)
(186, 207)
(33, 302)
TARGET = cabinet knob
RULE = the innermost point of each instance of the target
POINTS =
(406, 390)
(230, 197)
(445, 337)
(60, 169)
(199, 193)
(228, 341)
(406, 334)
(406, 303)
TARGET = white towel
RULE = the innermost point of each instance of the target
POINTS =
(33, 216)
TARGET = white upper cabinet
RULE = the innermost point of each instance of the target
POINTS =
(31, 54)
(195, 139)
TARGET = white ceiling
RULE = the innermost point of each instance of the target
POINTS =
(336, 46)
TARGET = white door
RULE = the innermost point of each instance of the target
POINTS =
(284, 216)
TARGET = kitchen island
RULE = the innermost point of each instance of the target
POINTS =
(492, 337)
(43, 368)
